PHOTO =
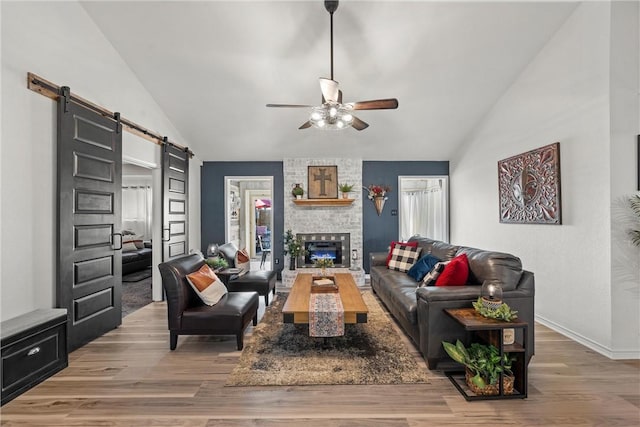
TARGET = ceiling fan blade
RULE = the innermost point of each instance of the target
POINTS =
(376, 104)
(329, 89)
(305, 125)
(359, 124)
(289, 106)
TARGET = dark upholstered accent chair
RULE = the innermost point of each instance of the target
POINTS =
(188, 315)
(260, 281)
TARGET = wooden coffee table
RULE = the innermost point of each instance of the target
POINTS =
(296, 308)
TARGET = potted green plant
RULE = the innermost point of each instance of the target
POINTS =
(345, 189)
(483, 366)
(297, 191)
(217, 263)
(293, 247)
(501, 312)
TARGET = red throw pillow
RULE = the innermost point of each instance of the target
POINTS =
(393, 245)
(455, 273)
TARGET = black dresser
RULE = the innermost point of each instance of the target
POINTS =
(34, 347)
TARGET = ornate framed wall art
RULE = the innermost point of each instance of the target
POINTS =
(529, 187)
(323, 182)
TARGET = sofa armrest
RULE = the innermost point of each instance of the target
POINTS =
(448, 293)
(377, 259)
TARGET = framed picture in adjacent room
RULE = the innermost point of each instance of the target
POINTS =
(529, 187)
(234, 204)
(323, 182)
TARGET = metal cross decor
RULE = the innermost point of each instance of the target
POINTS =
(529, 187)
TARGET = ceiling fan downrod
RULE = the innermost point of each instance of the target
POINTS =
(331, 6)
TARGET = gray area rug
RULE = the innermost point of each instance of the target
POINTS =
(137, 275)
(135, 295)
(284, 354)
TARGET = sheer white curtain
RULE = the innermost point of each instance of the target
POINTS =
(423, 213)
(136, 210)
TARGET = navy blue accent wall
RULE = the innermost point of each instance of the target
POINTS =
(212, 197)
(379, 231)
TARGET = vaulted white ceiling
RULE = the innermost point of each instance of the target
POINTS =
(213, 65)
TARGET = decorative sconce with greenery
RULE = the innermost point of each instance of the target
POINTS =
(378, 195)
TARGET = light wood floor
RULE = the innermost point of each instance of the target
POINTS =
(129, 377)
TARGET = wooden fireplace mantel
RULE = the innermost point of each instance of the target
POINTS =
(323, 202)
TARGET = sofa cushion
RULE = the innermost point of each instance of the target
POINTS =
(398, 291)
(430, 278)
(393, 245)
(493, 266)
(129, 247)
(403, 257)
(455, 273)
(423, 242)
(444, 251)
(206, 284)
(422, 267)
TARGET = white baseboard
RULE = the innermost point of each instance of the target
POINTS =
(605, 351)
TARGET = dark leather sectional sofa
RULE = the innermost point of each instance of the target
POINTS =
(139, 259)
(420, 310)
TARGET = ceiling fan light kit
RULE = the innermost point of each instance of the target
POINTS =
(333, 117)
(333, 114)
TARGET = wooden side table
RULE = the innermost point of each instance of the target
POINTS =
(491, 332)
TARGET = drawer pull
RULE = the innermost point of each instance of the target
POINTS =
(33, 351)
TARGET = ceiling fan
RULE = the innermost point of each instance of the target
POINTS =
(333, 114)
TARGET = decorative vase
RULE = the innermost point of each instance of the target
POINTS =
(379, 203)
(323, 271)
(345, 195)
(292, 263)
(297, 191)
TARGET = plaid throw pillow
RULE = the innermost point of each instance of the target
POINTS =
(403, 257)
(431, 277)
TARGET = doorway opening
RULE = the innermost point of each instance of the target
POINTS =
(137, 230)
(424, 207)
(249, 217)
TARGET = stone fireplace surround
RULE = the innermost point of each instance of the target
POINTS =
(325, 220)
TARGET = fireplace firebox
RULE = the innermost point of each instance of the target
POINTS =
(323, 249)
(335, 246)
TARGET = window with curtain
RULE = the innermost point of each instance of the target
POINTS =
(136, 210)
(424, 212)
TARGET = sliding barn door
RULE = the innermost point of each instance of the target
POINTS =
(175, 212)
(89, 270)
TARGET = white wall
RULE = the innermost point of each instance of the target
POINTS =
(59, 42)
(625, 126)
(562, 95)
